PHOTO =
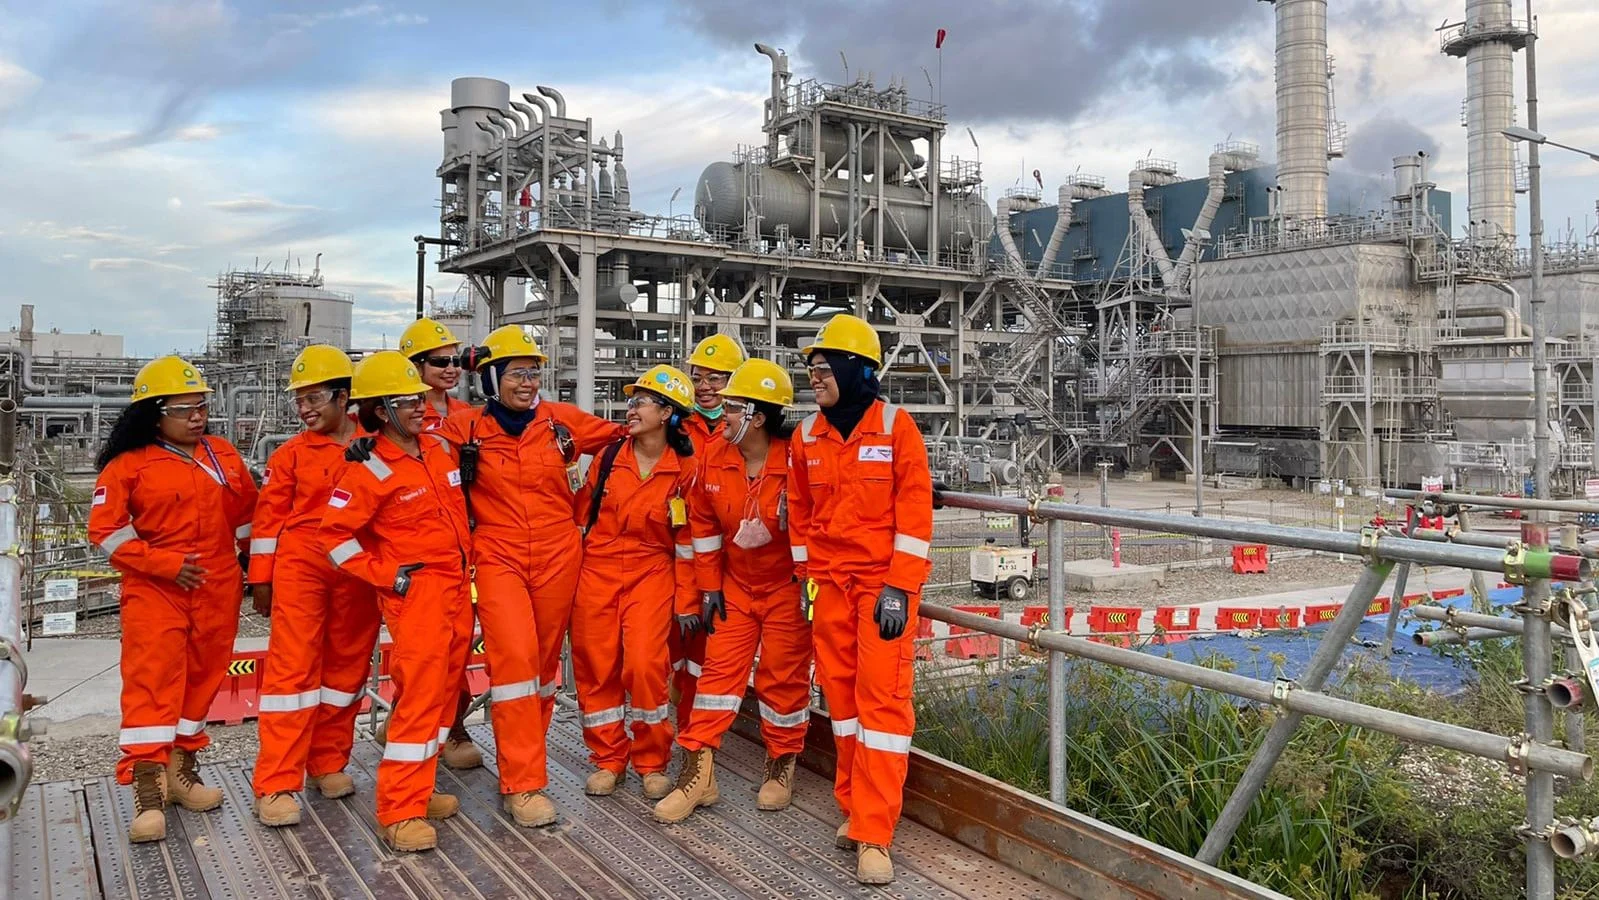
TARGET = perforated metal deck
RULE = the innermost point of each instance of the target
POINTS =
(71, 843)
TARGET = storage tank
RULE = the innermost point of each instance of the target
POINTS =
(786, 201)
(472, 99)
(315, 316)
(835, 144)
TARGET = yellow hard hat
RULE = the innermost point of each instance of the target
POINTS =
(719, 353)
(850, 334)
(760, 379)
(423, 335)
(319, 363)
(510, 342)
(385, 374)
(168, 376)
(668, 382)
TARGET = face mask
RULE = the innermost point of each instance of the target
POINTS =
(712, 414)
(752, 532)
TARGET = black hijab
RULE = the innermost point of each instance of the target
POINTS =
(857, 388)
(513, 421)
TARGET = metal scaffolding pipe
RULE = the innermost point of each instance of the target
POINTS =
(1505, 626)
(1057, 663)
(42, 403)
(1284, 695)
(1572, 506)
(1385, 546)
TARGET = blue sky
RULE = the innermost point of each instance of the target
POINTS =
(146, 146)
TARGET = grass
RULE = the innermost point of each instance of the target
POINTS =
(1346, 813)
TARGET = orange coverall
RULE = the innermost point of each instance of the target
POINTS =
(527, 550)
(688, 657)
(762, 599)
(861, 516)
(153, 507)
(324, 621)
(396, 510)
(635, 562)
(432, 421)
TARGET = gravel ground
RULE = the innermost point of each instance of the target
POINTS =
(93, 755)
(110, 626)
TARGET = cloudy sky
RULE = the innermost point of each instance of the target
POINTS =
(145, 146)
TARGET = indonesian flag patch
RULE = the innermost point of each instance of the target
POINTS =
(340, 499)
(99, 496)
(266, 476)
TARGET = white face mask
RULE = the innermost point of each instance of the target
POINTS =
(752, 533)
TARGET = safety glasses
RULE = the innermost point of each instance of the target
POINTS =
(526, 375)
(313, 400)
(404, 403)
(643, 399)
(819, 371)
(443, 362)
(710, 379)
(737, 407)
(185, 410)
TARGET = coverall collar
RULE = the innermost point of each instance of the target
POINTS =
(871, 423)
(488, 426)
(727, 456)
(669, 461)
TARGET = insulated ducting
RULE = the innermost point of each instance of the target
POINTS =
(1063, 223)
(1221, 162)
(1140, 217)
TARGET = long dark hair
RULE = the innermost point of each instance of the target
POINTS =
(366, 411)
(138, 426)
(676, 436)
(775, 426)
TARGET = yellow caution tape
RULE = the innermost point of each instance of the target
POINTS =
(241, 667)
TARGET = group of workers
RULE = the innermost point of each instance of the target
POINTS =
(708, 536)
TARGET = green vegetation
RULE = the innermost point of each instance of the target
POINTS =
(1348, 813)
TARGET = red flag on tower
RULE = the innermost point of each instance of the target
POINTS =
(938, 43)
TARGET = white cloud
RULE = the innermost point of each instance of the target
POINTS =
(253, 205)
(199, 131)
(374, 12)
(174, 203)
(16, 83)
(51, 231)
(129, 262)
(169, 249)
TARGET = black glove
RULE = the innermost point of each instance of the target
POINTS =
(687, 625)
(891, 612)
(402, 578)
(939, 488)
(712, 605)
(360, 449)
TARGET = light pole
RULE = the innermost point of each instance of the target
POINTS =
(1519, 134)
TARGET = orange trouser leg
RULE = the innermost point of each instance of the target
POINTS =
(783, 676)
(728, 656)
(155, 633)
(291, 678)
(597, 667)
(347, 641)
(646, 619)
(214, 614)
(554, 586)
(431, 628)
(687, 664)
(867, 681)
(510, 638)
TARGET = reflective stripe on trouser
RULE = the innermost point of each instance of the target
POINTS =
(324, 623)
(431, 627)
(175, 650)
(688, 663)
(773, 623)
(867, 683)
(619, 657)
(524, 609)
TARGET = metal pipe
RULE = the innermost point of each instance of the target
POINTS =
(1537, 663)
(1464, 636)
(1543, 503)
(1157, 248)
(1057, 235)
(421, 273)
(1575, 839)
(1282, 730)
(1304, 102)
(1221, 162)
(8, 436)
(41, 403)
(1459, 617)
(1284, 695)
(1385, 546)
(553, 94)
(1057, 663)
(16, 763)
(1401, 576)
(24, 357)
(1482, 539)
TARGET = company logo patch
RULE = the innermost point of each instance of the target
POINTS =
(340, 499)
(454, 477)
(876, 454)
(99, 496)
(266, 476)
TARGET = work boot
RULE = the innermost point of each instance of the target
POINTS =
(333, 785)
(411, 835)
(603, 783)
(149, 802)
(442, 805)
(381, 734)
(872, 865)
(184, 786)
(842, 840)
(777, 789)
(530, 809)
(696, 787)
(459, 752)
(277, 810)
(656, 785)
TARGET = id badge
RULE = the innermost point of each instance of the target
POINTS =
(677, 511)
(782, 511)
(574, 478)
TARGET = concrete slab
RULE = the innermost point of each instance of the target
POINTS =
(1096, 575)
(82, 681)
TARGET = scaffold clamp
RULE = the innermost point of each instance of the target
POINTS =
(1369, 537)
(1516, 563)
(1517, 753)
(1280, 689)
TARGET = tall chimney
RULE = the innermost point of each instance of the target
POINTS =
(1303, 107)
(1488, 40)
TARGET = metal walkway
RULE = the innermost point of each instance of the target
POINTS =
(71, 843)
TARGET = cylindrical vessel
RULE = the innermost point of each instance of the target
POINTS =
(1407, 172)
(448, 125)
(472, 99)
(1303, 101)
(1490, 105)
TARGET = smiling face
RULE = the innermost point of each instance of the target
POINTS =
(183, 418)
(706, 384)
(519, 383)
(409, 419)
(647, 413)
(738, 411)
(822, 380)
(440, 369)
(320, 407)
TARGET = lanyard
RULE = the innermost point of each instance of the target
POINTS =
(214, 470)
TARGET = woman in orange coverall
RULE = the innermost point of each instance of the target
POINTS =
(323, 621)
(861, 506)
(398, 522)
(171, 509)
(636, 558)
(738, 512)
(526, 549)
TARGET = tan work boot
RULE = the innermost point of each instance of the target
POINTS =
(184, 786)
(442, 805)
(602, 783)
(656, 785)
(530, 809)
(381, 735)
(277, 810)
(842, 840)
(333, 785)
(872, 865)
(696, 787)
(777, 789)
(149, 802)
(411, 835)
(459, 752)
